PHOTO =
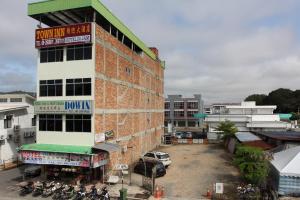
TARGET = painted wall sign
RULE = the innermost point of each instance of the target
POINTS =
(63, 35)
(47, 158)
(63, 107)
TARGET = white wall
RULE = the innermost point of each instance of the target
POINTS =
(23, 118)
(67, 70)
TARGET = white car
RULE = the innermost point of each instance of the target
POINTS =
(161, 156)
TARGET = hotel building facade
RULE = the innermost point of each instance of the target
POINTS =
(100, 89)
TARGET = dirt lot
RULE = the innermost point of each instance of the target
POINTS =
(195, 168)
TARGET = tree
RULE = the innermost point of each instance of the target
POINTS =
(227, 129)
(258, 98)
(253, 164)
(295, 116)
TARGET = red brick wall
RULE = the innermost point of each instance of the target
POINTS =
(112, 95)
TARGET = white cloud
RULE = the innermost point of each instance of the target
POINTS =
(225, 50)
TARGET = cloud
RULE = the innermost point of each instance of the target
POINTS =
(224, 50)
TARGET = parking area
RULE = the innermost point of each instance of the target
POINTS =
(194, 170)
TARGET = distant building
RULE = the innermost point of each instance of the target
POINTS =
(179, 111)
(247, 117)
(17, 125)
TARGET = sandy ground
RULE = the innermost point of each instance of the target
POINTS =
(194, 170)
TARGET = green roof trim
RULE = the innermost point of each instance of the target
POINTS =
(55, 148)
(284, 116)
(59, 5)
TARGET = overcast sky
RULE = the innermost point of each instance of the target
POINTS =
(224, 50)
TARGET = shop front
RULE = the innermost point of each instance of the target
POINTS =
(70, 163)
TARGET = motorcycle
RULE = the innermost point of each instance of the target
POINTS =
(38, 189)
(57, 191)
(26, 189)
(67, 192)
(49, 189)
(81, 194)
(93, 194)
(104, 194)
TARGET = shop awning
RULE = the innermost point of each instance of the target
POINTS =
(109, 147)
(55, 148)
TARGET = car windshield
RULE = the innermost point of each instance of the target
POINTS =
(164, 156)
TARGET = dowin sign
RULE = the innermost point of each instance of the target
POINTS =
(63, 35)
(63, 107)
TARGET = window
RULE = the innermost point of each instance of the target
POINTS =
(3, 100)
(191, 113)
(50, 88)
(79, 87)
(55, 54)
(33, 121)
(167, 114)
(50, 122)
(16, 100)
(192, 105)
(128, 71)
(167, 105)
(179, 113)
(79, 52)
(179, 105)
(8, 121)
(78, 123)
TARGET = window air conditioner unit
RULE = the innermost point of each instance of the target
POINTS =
(16, 127)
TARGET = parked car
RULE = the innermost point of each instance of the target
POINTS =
(32, 171)
(149, 164)
(161, 156)
(179, 135)
(188, 135)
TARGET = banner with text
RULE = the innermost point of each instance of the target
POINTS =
(63, 107)
(63, 35)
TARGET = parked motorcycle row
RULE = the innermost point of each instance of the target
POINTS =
(60, 191)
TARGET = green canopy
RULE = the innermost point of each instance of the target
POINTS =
(200, 115)
(55, 148)
(285, 116)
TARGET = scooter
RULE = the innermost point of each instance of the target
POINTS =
(49, 189)
(57, 192)
(67, 192)
(104, 194)
(26, 189)
(81, 194)
(38, 190)
(93, 194)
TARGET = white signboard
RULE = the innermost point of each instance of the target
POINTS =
(99, 137)
(121, 167)
(63, 107)
(219, 188)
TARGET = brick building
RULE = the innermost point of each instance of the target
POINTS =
(99, 89)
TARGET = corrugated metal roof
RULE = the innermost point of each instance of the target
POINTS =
(282, 135)
(109, 147)
(246, 136)
(287, 162)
